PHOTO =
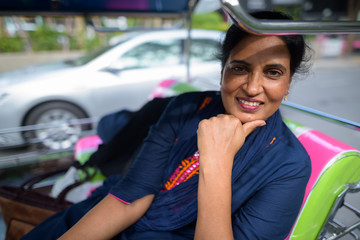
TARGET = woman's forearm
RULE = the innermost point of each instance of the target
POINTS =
(108, 218)
(214, 205)
(219, 139)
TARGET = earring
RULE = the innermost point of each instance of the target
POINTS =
(285, 97)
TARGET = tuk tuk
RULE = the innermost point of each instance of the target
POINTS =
(335, 165)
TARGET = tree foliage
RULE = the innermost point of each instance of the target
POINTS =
(47, 37)
(11, 44)
(211, 21)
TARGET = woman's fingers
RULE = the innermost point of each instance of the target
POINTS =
(224, 133)
(249, 127)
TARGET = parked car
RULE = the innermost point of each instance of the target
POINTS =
(120, 76)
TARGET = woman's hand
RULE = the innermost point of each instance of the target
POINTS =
(222, 136)
(219, 139)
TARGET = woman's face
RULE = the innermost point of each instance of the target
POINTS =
(255, 78)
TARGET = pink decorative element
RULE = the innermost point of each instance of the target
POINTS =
(160, 90)
(127, 203)
(86, 144)
(321, 149)
(167, 83)
(356, 44)
(183, 171)
(91, 190)
(136, 5)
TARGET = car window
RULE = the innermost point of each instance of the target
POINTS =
(203, 50)
(88, 57)
(98, 52)
(152, 54)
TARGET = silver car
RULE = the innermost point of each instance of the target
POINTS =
(121, 76)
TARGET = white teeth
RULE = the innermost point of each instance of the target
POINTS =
(249, 103)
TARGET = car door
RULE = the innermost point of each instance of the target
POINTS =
(136, 73)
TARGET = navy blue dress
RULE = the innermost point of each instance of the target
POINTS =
(267, 191)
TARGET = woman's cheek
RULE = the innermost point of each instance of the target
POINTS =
(276, 93)
(229, 85)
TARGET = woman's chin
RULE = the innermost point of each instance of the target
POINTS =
(248, 117)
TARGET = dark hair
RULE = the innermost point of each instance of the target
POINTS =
(295, 43)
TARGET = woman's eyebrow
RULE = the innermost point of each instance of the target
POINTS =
(240, 62)
(276, 66)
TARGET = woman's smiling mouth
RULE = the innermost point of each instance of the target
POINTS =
(249, 104)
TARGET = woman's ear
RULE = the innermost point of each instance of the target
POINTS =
(289, 84)
(221, 76)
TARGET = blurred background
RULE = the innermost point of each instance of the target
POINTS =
(65, 36)
(331, 86)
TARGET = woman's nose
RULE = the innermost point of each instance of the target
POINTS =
(253, 86)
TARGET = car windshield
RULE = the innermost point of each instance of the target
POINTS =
(94, 54)
(88, 57)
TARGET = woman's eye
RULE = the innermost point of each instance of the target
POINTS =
(238, 69)
(274, 73)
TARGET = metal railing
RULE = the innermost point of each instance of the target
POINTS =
(282, 27)
(34, 154)
(326, 116)
(73, 122)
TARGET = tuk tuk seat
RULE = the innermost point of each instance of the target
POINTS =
(335, 172)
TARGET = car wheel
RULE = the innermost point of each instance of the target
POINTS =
(60, 136)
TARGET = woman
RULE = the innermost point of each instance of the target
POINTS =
(217, 165)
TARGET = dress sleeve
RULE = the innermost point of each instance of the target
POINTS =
(272, 210)
(145, 175)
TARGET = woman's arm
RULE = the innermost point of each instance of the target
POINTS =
(108, 218)
(219, 139)
(214, 204)
(111, 216)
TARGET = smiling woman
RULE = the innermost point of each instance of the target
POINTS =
(217, 165)
(256, 78)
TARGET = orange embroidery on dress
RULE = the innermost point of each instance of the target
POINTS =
(205, 102)
(274, 138)
(186, 169)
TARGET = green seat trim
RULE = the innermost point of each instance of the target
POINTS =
(342, 170)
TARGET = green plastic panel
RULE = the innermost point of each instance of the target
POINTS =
(344, 170)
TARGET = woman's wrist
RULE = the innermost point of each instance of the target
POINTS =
(214, 202)
(215, 166)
